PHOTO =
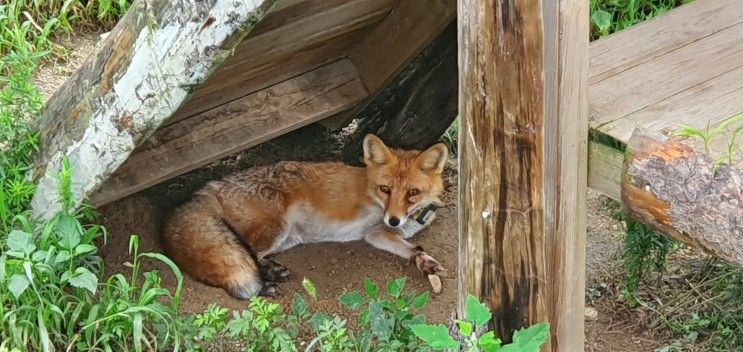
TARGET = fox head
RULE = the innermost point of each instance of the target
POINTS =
(403, 181)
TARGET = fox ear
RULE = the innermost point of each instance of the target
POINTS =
(434, 158)
(375, 150)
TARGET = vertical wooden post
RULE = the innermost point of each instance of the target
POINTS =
(523, 104)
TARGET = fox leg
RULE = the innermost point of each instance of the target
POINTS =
(393, 243)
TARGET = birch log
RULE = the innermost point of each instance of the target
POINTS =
(140, 74)
(679, 192)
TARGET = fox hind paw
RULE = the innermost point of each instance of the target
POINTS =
(272, 271)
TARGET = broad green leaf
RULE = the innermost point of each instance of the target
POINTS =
(371, 288)
(530, 339)
(63, 256)
(299, 305)
(436, 336)
(318, 319)
(488, 342)
(309, 287)
(83, 278)
(395, 287)
(138, 336)
(477, 312)
(352, 300)
(20, 241)
(2, 268)
(69, 230)
(465, 327)
(84, 248)
(421, 300)
(18, 284)
(380, 324)
(601, 19)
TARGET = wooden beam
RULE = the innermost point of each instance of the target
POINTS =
(293, 32)
(243, 123)
(407, 30)
(680, 192)
(418, 106)
(566, 67)
(144, 70)
(523, 79)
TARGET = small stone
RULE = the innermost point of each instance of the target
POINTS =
(591, 313)
(435, 282)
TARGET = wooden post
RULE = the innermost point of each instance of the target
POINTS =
(144, 70)
(523, 106)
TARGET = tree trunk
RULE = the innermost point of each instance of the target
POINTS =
(681, 193)
(142, 72)
(522, 163)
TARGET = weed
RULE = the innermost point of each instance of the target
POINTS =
(645, 250)
(708, 134)
(471, 334)
(610, 16)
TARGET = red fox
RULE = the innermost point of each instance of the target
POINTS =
(226, 234)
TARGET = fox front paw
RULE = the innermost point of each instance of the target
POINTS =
(427, 264)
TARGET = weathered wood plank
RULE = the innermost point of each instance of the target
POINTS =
(296, 30)
(522, 82)
(605, 169)
(407, 30)
(658, 79)
(661, 35)
(143, 71)
(711, 101)
(248, 121)
(676, 190)
(418, 106)
(566, 32)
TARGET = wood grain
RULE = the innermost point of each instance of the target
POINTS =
(667, 75)
(566, 32)
(135, 80)
(243, 123)
(407, 30)
(661, 35)
(289, 32)
(520, 240)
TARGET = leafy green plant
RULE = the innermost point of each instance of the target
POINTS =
(708, 134)
(610, 16)
(472, 337)
(385, 318)
(645, 250)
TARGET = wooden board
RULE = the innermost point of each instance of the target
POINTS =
(692, 76)
(408, 29)
(243, 123)
(661, 35)
(566, 33)
(291, 31)
(135, 80)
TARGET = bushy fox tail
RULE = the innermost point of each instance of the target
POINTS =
(207, 248)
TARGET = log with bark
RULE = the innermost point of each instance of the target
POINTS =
(683, 193)
(142, 72)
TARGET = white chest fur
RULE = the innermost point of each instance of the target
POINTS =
(304, 225)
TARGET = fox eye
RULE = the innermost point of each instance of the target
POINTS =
(384, 189)
(413, 192)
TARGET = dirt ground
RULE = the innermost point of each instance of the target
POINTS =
(335, 268)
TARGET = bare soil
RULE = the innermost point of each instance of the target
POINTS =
(339, 268)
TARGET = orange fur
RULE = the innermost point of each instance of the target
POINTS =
(223, 236)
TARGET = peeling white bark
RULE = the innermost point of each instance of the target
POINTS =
(167, 59)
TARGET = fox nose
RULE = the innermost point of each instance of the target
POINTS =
(394, 221)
